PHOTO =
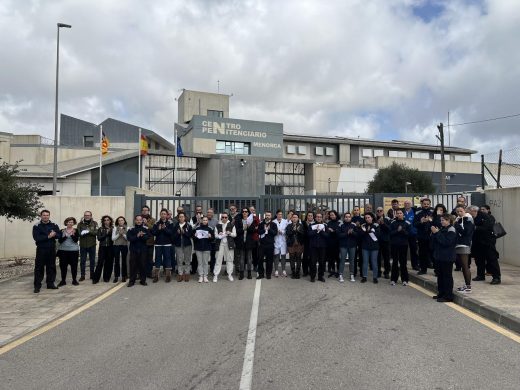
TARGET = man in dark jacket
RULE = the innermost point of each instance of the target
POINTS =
(267, 230)
(318, 241)
(137, 236)
(87, 229)
(392, 212)
(383, 256)
(423, 222)
(45, 233)
(399, 232)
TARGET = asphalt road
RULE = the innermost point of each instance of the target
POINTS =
(309, 336)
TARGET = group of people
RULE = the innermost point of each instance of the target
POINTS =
(245, 243)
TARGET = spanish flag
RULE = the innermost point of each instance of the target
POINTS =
(143, 145)
(105, 143)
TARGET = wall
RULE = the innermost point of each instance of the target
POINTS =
(343, 179)
(505, 206)
(5, 146)
(198, 103)
(16, 237)
(431, 165)
(39, 155)
(78, 184)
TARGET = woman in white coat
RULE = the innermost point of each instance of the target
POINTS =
(280, 244)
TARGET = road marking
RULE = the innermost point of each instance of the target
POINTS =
(249, 355)
(490, 324)
(58, 321)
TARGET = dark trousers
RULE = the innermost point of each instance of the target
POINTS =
(359, 260)
(486, 257)
(317, 256)
(237, 254)
(383, 256)
(255, 257)
(149, 260)
(306, 259)
(414, 258)
(45, 263)
(138, 263)
(445, 279)
(424, 254)
(91, 252)
(332, 258)
(105, 263)
(399, 254)
(194, 263)
(68, 258)
(174, 258)
(212, 257)
(265, 253)
(120, 254)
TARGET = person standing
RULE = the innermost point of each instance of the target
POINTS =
(444, 241)
(461, 202)
(399, 232)
(195, 221)
(267, 232)
(182, 233)
(250, 241)
(212, 222)
(45, 233)
(162, 231)
(370, 235)
(347, 237)
(464, 228)
(409, 215)
(68, 251)
(87, 228)
(392, 212)
(318, 245)
(280, 244)
(306, 259)
(333, 244)
(225, 234)
(120, 249)
(423, 222)
(137, 236)
(358, 219)
(295, 238)
(203, 236)
(235, 217)
(148, 221)
(383, 256)
(106, 250)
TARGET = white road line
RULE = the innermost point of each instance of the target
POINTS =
(249, 355)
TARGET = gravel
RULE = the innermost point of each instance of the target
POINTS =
(12, 268)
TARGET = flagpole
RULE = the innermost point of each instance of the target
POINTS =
(139, 159)
(174, 158)
(100, 154)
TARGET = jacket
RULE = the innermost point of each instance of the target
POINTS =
(294, 234)
(252, 236)
(41, 233)
(239, 228)
(423, 229)
(483, 234)
(345, 239)
(162, 236)
(87, 240)
(464, 228)
(203, 244)
(138, 244)
(228, 228)
(267, 235)
(384, 229)
(444, 242)
(367, 236)
(399, 237)
(104, 236)
(74, 237)
(318, 236)
(182, 236)
(409, 216)
(120, 239)
(150, 221)
(332, 238)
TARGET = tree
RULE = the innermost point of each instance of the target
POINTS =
(392, 179)
(17, 199)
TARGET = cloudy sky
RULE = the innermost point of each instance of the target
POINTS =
(385, 69)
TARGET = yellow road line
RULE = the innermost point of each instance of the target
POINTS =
(58, 321)
(490, 324)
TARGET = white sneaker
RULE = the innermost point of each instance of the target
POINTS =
(284, 274)
(405, 284)
(201, 279)
(276, 273)
(215, 279)
(462, 289)
(230, 277)
(341, 280)
(352, 278)
(392, 283)
(206, 279)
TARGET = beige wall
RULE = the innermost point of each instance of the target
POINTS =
(78, 184)
(431, 165)
(38, 155)
(16, 237)
(505, 206)
(5, 147)
(198, 103)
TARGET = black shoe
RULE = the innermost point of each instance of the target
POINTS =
(143, 283)
(95, 281)
(421, 273)
(240, 275)
(62, 283)
(297, 276)
(36, 290)
(115, 280)
(416, 268)
(75, 283)
(321, 279)
(130, 284)
(313, 280)
(496, 281)
(442, 299)
(268, 276)
(479, 278)
(260, 276)
(52, 287)
(249, 276)
(436, 297)
(363, 280)
(293, 276)
(123, 279)
(386, 275)
(331, 274)
(82, 278)
(375, 281)
(305, 274)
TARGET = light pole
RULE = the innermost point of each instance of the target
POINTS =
(406, 184)
(55, 165)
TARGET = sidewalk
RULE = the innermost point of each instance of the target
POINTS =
(500, 303)
(22, 311)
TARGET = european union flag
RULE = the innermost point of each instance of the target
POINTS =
(179, 148)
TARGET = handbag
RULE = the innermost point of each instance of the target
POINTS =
(498, 230)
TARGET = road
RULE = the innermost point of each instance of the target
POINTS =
(308, 336)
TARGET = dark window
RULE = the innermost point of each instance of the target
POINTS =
(88, 141)
(218, 114)
(230, 147)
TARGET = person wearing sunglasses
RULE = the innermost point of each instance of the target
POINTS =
(225, 234)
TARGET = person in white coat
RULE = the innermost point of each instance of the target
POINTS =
(225, 234)
(280, 244)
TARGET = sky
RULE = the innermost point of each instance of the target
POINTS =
(379, 69)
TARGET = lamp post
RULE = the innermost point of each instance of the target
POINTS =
(406, 184)
(55, 165)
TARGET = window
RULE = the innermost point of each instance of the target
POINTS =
(215, 113)
(319, 150)
(397, 153)
(460, 157)
(329, 151)
(437, 156)
(379, 153)
(88, 141)
(366, 153)
(302, 149)
(423, 155)
(291, 149)
(230, 147)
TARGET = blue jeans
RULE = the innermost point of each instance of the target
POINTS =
(370, 255)
(83, 259)
(343, 252)
(163, 256)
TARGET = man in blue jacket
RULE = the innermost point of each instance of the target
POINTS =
(45, 234)
(423, 222)
(267, 231)
(409, 215)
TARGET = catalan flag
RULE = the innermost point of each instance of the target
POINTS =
(143, 145)
(105, 143)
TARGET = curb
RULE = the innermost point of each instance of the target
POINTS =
(491, 313)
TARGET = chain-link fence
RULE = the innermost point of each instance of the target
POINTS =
(501, 169)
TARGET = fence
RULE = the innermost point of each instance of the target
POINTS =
(300, 203)
(501, 169)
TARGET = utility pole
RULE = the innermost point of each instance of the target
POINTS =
(440, 137)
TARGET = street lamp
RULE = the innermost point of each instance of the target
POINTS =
(406, 184)
(55, 165)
